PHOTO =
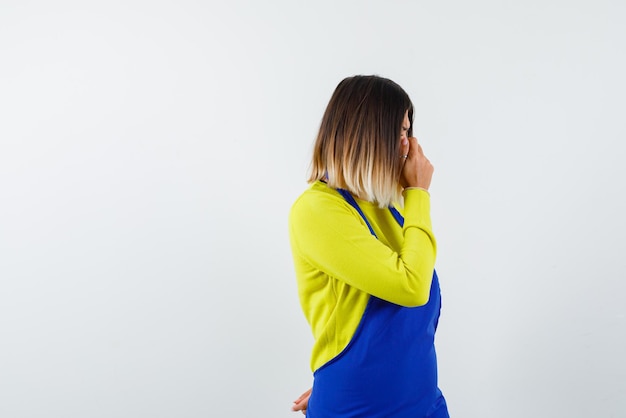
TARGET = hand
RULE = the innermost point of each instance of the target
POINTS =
(302, 402)
(417, 170)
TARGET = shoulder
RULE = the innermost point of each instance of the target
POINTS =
(317, 197)
(319, 203)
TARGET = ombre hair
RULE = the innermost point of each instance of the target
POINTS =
(358, 144)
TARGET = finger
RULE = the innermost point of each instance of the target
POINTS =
(404, 149)
(413, 147)
(298, 405)
(298, 408)
(305, 394)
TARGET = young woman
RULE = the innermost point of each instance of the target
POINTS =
(364, 256)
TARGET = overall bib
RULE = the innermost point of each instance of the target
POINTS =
(389, 368)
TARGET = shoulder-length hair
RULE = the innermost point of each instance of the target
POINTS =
(358, 144)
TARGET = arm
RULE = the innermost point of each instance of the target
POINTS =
(331, 237)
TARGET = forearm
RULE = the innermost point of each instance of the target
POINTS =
(419, 247)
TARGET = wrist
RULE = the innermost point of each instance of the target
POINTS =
(416, 188)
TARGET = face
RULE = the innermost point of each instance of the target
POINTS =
(406, 125)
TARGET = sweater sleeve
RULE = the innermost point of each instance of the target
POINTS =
(328, 234)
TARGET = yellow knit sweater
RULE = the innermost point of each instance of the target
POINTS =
(339, 263)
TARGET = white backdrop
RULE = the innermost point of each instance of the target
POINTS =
(150, 151)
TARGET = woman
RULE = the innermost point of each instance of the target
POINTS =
(364, 256)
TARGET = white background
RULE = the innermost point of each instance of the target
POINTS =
(150, 151)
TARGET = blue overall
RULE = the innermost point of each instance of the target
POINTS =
(389, 368)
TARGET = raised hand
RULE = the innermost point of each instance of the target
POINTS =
(417, 170)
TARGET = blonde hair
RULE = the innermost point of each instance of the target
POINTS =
(358, 144)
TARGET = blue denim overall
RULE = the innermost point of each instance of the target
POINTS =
(389, 368)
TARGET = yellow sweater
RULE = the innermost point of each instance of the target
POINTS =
(339, 263)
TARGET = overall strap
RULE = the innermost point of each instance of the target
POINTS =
(348, 196)
(399, 218)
